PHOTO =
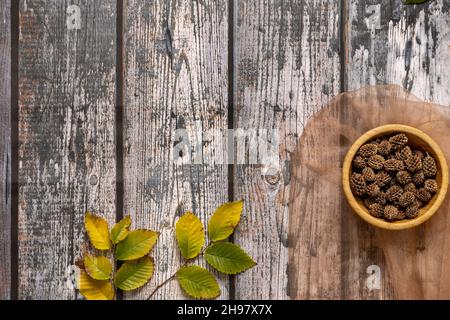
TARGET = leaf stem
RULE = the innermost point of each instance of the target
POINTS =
(161, 285)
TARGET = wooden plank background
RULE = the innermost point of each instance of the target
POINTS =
(194, 68)
(5, 149)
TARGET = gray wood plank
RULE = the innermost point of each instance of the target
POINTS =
(175, 78)
(5, 149)
(66, 136)
(389, 42)
(287, 67)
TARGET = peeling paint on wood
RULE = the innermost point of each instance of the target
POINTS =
(287, 67)
(5, 149)
(66, 135)
(175, 78)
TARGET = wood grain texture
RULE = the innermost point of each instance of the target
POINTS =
(175, 78)
(390, 42)
(287, 66)
(66, 137)
(5, 149)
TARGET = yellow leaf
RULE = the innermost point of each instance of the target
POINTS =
(98, 268)
(134, 274)
(198, 282)
(120, 230)
(97, 230)
(190, 235)
(224, 220)
(93, 289)
(136, 245)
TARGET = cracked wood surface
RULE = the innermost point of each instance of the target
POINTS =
(289, 59)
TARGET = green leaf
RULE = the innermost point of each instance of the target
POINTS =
(98, 268)
(224, 220)
(134, 274)
(190, 235)
(136, 245)
(198, 282)
(415, 1)
(93, 289)
(97, 230)
(120, 230)
(228, 258)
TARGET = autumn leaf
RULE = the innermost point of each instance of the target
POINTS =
(93, 289)
(224, 220)
(137, 244)
(415, 1)
(198, 282)
(120, 230)
(134, 274)
(228, 258)
(97, 230)
(99, 268)
(190, 235)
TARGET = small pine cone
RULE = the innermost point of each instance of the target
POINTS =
(406, 199)
(368, 150)
(393, 165)
(399, 140)
(381, 198)
(414, 163)
(418, 178)
(394, 193)
(404, 153)
(412, 210)
(429, 166)
(368, 202)
(368, 174)
(377, 210)
(403, 177)
(430, 185)
(392, 213)
(423, 195)
(410, 187)
(383, 179)
(358, 184)
(384, 148)
(376, 162)
(359, 162)
(372, 190)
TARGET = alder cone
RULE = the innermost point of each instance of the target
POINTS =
(423, 195)
(376, 162)
(384, 148)
(393, 165)
(368, 150)
(372, 190)
(410, 187)
(383, 179)
(392, 213)
(398, 140)
(430, 185)
(359, 162)
(394, 193)
(406, 199)
(381, 198)
(376, 210)
(418, 178)
(358, 184)
(368, 174)
(412, 210)
(429, 166)
(403, 177)
(404, 154)
(414, 163)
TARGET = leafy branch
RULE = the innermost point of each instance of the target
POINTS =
(133, 248)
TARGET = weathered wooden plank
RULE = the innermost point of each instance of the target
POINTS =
(389, 42)
(5, 149)
(66, 136)
(287, 67)
(175, 78)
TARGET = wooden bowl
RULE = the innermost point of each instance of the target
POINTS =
(417, 139)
